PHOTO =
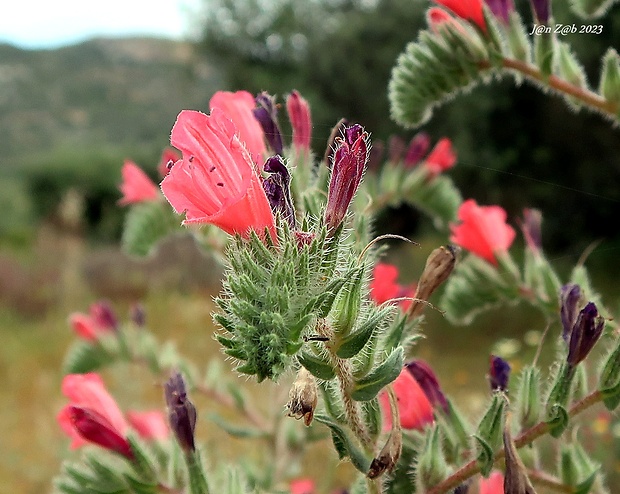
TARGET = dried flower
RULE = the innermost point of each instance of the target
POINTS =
(483, 230)
(570, 301)
(439, 265)
(136, 185)
(303, 397)
(531, 226)
(542, 10)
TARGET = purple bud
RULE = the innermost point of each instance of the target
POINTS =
(418, 147)
(104, 316)
(427, 380)
(541, 10)
(531, 226)
(278, 190)
(586, 332)
(501, 9)
(267, 116)
(570, 295)
(349, 160)
(181, 412)
(396, 149)
(499, 372)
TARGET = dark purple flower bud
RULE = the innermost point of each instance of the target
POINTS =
(396, 149)
(586, 332)
(427, 380)
(499, 372)
(501, 9)
(104, 316)
(97, 429)
(531, 226)
(137, 314)
(570, 296)
(181, 412)
(376, 155)
(267, 116)
(418, 147)
(278, 189)
(332, 143)
(542, 10)
(348, 164)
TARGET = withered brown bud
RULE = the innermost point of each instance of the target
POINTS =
(516, 480)
(303, 397)
(439, 266)
(388, 457)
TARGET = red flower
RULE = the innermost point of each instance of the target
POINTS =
(441, 158)
(216, 181)
(238, 107)
(168, 158)
(483, 230)
(92, 415)
(470, 10)
(301, 121)
(149, 425)
(384, 287)
(100, 319)
(413, 406)
(493, 485)
(136, 186)
(302, 486)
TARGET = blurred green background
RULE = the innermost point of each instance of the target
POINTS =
(70, 116)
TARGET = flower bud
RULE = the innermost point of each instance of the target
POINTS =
(267, 116)
(418, 148)
(96, 429)
(531, 226)
(299, 115)
(586, 332)
(303, 397)
(278, 189)
(427, 380)
(570, 296)
(609, 85)
(499, 373)
(501, 9)
(541, 9)
(441, 158)
(104, 316)
(349, 161)
(181, 412)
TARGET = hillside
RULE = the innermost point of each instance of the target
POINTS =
(103, 93)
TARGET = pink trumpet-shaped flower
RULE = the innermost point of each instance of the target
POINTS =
(149, 425)
(470, 10)
(216, 182)
(136, 185)
(414, 408)
(483, 230)
(238, 107)
(299, 115)
(493, 485)
(441, 158)
(100, 319)
(92, 415)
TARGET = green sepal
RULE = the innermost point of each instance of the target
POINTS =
(557, 419)
(431, 466)
(347, 306)
(543, 52)
(345, 444)
(485, 456)
(138, 486)
(368, 387)
(144, 462)
(489, 432)
(86, 356)
(528, 398)
(146, 224)
(609, 380)
(240, 432)
(66, 486)
(576, 468)
(316, 366)
(331, 399)
(587, 484)
(108, 468)
(353, 343)
(556, 414)
(453, 428)
(81, 475)
(518, 39)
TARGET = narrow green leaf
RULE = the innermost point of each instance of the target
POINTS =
(316, 366)
(353, 343)
(368, 387)
(346, 443)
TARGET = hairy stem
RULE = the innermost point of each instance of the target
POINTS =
(470, 469)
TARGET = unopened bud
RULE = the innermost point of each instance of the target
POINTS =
(278, 189)
(267, 116)
(97, 429)
(104, 316)
(301, 121)
(303, 397)
(427, 380)
(418, 147)
(499, 373)
(388, 456)
(439, 266)
(181, 412)
(586, 332)
(541, 10)
(570, 297)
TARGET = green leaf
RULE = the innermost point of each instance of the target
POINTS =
(316, 366)
(368, 387)
(353, 343)
(144, 462)
(345, 443)
(86, 356)
(609, 381)
(146, 224)
(485, 456)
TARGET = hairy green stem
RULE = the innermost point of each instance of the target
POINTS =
(470, 469)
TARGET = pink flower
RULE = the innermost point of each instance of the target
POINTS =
(493, 485)
(151, 425)
(414, 408)
(441, 158)
(436, 16)
(302, 486)
(216, 181)
(168, 158)
(301, 121)
(483, 230)
(384, 287)
(136, 186)
(92, 415)
(470, 10)
(100, 319)
(238, 107)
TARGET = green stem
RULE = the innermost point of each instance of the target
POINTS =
(470, 469)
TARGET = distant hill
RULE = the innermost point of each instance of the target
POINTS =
(99, 94)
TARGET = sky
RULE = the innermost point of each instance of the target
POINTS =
(50, 24)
